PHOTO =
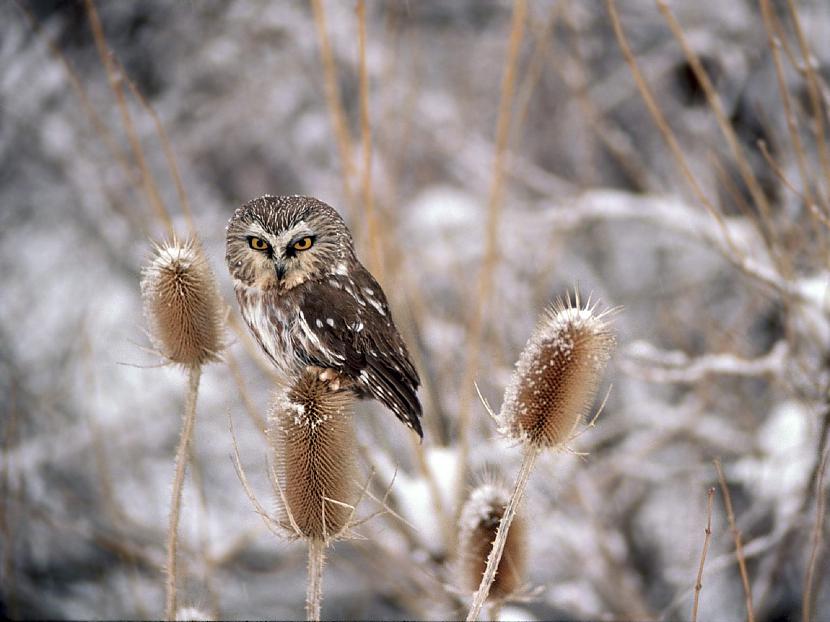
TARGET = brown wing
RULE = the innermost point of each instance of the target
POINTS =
(348, 328)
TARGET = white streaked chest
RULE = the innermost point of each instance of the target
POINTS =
(271, 325)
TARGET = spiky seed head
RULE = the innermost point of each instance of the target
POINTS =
(479, 521)
(182, 304)
(311, 433)
(557, 374)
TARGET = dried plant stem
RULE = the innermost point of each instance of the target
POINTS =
(809, 597)
(334, 101)
(132, 135)
(501, 535)
(739, 547)
(166, 146)
(194, 375)
(710, 495)
(314, 593)
(374, 237)
(724, 124)
(665, 130)
(77, 86)
(475, 334)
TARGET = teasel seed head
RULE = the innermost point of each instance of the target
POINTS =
(479, 521)
(312, 435)
(557, 374)
(182, 304)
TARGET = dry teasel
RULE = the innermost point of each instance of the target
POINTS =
(311, 433)
(552, 388)
(184, 312)
(557, 374)
(182, 304)
(479, 521)
(310, 430)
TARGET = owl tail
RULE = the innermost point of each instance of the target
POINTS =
(396, 392)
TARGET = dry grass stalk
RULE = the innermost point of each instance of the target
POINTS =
(311, 433)
(480, 518)
(710, 495)
(739, 546)
(665, 130)
(182, 304)
(334, 101)
(147, 178)
(475, 334)
(374, 237)
(184, 312)
(552, 388)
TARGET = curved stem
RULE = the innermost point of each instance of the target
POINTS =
(314, 592)
(178, 484)
(501, 535)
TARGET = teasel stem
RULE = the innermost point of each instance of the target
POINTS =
(531, 451)
(314, 591)
(182, 452)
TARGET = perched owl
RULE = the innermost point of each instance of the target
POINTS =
(310, 303)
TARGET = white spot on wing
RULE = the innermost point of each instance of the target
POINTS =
(377, 306)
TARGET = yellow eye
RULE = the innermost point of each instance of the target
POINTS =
(303, 245)
(258, 244)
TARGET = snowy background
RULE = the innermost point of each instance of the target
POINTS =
(717, 252)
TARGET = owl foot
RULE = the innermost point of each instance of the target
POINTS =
(334, 380)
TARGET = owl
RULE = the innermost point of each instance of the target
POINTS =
(311, 304)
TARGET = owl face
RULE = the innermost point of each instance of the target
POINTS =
(280, 242)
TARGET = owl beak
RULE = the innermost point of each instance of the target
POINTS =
(280, 267)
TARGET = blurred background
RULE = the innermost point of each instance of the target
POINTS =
(669, 158)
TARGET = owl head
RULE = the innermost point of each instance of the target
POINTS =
(280, 242)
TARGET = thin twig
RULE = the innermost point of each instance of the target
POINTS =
(178, 485)
(809, 596)
(494, 558)
(710, 495)
(739, 547)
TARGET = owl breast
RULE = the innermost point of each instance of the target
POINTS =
(272, 320)
(279, 324)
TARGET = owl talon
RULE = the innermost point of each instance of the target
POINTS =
(329, 376)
